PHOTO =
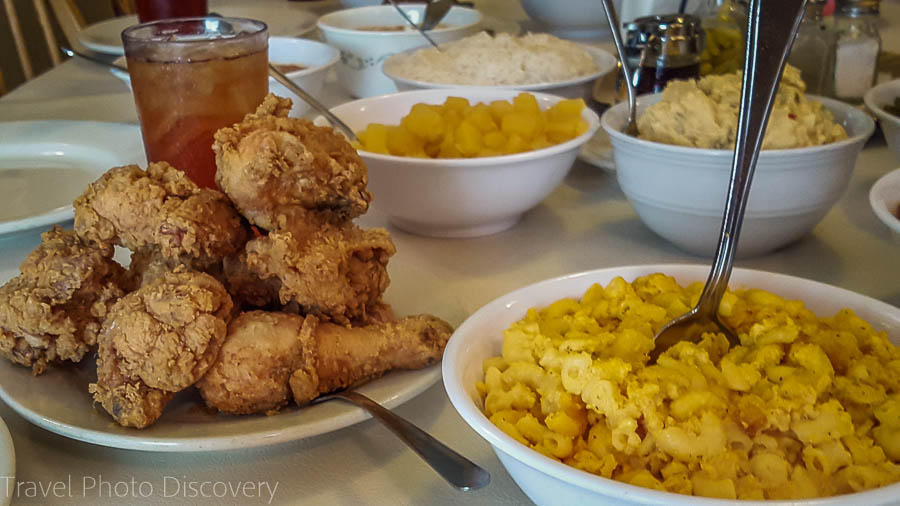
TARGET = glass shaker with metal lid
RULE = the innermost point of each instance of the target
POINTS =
(662, 48)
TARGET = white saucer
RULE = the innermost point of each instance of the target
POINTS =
(283, 19)
(7, 464)
(598, 151)
(45, 165)
(58, 401)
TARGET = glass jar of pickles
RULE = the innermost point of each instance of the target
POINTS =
(724, 31)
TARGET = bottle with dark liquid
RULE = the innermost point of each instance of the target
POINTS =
(663, 48)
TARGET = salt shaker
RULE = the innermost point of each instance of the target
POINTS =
(813, 51)
(858, 45)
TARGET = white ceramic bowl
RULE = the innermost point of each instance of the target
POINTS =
(885, 200)
(878, 97)
(364, 51)
(548, 482)
(579, 87)
(459, 197)
(315, 56)
(679, 192)
(571, 19)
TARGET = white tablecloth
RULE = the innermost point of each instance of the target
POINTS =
(586, 223)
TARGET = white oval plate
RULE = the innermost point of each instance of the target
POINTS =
(58, 401)
(7, 464)
(45, 165)
(283, 18)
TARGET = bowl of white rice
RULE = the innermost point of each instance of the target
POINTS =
(531, 62)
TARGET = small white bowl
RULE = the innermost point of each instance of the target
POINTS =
(572, 19)
(885, 200)
(459, 197)
(315, 56)
(679, 192)
(364, 51)
(875, 100)
(549, 482)
(579, 87)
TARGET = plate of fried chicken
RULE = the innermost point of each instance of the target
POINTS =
(237, 309)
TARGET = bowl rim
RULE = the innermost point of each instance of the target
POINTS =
(323, 22)
(480, 162)
(500, 441)
(607, 65)
(829, 103)
(880, 204)
(335, 54)
(869, 100)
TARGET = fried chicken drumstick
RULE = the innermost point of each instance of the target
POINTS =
(159, 209)
(276, 169)
(268, 358)
(157, 341)
(53, 310)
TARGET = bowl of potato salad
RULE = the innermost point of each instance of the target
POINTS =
(464, 163)
(806, 411)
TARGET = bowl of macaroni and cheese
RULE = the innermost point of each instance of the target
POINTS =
(676, 173)
(465, 163)
(805, 412)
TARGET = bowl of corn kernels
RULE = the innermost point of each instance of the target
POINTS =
(465, 163)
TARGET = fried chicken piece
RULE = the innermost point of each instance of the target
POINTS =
(52, 311)
(129, 400)
(344, 356)
(246, 287)
(276, 169)
(159, 340)
(160, 209)
(336, 271)
(255, 364)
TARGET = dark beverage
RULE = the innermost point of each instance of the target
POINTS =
(152, 10)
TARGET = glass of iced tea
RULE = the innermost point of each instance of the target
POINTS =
(190, 77)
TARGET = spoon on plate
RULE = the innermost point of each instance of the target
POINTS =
(771, 26)
(613, 18)
(453, 467)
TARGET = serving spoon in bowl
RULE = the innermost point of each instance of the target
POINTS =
(613, 19)
(771, 26)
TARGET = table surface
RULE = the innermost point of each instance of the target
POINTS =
(586, 223)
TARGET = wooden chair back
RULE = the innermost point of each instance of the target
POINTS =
(67, 15)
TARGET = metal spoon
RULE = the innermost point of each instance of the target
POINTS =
(71, 53)
(414, 25)
(313, 102)
(771, 26)
(453, 467)
(613, 18)
(434, 13)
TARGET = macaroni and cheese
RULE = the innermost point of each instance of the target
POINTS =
(804, 407)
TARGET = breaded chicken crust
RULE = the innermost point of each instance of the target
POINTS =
(334, 271)
(160, 209)
(53, 310)
(159, 339)
(276, 169)
(255, 364)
